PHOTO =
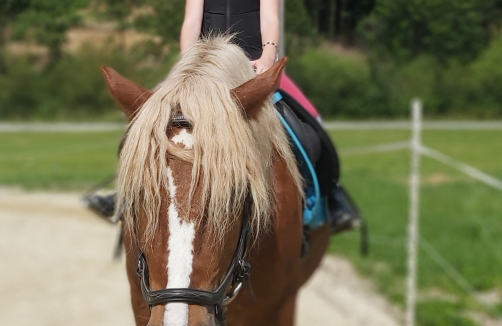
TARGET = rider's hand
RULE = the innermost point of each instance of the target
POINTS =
(266, 60)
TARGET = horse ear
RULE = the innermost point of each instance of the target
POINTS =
(129, 94)
(253, 93)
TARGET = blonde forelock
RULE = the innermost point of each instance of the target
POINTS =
(230, 155)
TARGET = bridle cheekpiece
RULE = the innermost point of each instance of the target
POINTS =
(237, 275)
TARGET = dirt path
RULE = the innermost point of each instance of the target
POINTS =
(56, 270)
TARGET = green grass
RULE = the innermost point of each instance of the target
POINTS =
(459, 216)
(57, 160)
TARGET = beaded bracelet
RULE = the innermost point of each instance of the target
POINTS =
(267, 43)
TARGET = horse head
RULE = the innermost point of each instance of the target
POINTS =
(194, 181)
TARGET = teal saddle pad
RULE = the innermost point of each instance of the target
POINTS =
(315, 210)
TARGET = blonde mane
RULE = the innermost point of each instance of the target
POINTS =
(230, 154)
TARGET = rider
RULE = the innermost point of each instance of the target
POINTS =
(255, 24)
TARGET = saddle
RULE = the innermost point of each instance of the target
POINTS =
(326, 199)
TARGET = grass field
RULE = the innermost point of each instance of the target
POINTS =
(460, 217)
(57, 160)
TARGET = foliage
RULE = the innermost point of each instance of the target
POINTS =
(9, 10)
(445, 29)
(300, 33)
(46, 22)
(345, 87)
(73, 88)
(338, 86)
(298, 21)
(120, 11)
(164, 19)
(446, 53)
(338, 19)
(488, 73)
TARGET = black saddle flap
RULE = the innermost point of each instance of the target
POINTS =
(328, 164)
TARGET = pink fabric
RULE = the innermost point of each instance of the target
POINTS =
(292, 89)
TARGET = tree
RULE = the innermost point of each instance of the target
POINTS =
(120, 11)
(403, 29)
(46, 22)
(9, 10)
(339, 19)
(355, 12)
(165, 19)
(298, 21)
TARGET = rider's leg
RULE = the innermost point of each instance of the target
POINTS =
(343, 213)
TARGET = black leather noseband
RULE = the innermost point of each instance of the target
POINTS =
(236, 277)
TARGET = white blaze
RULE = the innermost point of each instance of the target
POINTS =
(179, 261)
(184, 138)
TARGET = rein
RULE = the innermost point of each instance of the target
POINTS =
(237, 275)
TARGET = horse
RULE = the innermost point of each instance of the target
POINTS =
(210, 195)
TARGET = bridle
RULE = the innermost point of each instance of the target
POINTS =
(237, 275)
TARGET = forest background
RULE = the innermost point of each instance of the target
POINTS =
(361, 59)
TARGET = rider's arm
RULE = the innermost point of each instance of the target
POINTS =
(269, 24)
(192, 23)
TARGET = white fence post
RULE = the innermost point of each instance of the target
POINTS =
(414, 212)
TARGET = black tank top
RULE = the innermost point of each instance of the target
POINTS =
(236, 16)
